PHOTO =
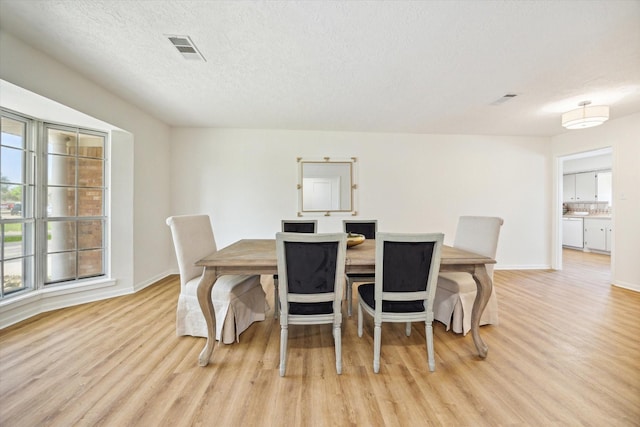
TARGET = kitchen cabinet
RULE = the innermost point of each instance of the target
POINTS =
(569, 188)
(597, 234)
(572, 232)
(579, 187)
(604, 187)
(587, 187)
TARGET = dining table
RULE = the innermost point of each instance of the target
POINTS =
(258, 256)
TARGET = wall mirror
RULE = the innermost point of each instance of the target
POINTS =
(326, 186)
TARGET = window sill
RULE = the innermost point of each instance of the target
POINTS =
(21, 307)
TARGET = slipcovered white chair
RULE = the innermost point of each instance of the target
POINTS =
(407, 268)
(456, 291)
(311, 270)
(368, 228)
(238, 300)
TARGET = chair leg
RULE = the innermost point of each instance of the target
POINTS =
(276, 299)
(337, 338)
(359, 321)
(428, 331)
(407, 329)
(284, 334)
(377, 342)
(349, 297)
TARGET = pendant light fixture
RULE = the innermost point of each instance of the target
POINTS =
(585, 116)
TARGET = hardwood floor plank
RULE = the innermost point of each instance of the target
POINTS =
(565, 352)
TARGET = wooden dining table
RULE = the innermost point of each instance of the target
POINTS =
(258, 256)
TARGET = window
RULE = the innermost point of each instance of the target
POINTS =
(16, 208)
(75, 204)
(53, 204)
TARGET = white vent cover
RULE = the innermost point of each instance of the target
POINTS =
(186, 47)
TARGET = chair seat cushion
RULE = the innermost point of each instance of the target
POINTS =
(457, 282)
(311, 308)
(366, 292)
(227, 287)
(360, 275)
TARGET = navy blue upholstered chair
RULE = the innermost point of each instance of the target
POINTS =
(292, 226)
(368, 228)
(407, 268)
(311, 271)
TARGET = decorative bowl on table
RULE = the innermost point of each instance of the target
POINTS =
(354, 239)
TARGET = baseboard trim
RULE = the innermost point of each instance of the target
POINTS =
(523, 267)
(631, 286)
(140, 286)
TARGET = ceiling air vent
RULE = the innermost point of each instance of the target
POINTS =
(504, 98)
(186, 47)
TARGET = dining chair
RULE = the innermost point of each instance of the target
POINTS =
(292, 226)
(311, 268)
(238, 300)
(456, 291)
(368, 229)
(406, 272)
(299, 225)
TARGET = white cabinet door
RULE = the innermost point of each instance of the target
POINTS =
(608, 235)
(586, 187)
(604, 187)
(595, 233)
(569, 188)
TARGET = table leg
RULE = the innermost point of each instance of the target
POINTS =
(483, 282)
(207, 280)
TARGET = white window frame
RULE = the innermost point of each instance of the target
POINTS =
(37, 169)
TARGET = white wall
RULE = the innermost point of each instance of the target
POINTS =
(142, 249)
(246, 180)
(623, 135)
(585, 164)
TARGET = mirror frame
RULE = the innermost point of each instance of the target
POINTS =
(352, 162)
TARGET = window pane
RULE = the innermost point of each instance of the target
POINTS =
(89, 173)
(61, 170)
(13, 133)
(61, 236)
(89, 234)
(12, 165)
(61, 266)
(61, 142)
(90, 202)
(61, 201)
(12, 279)
(91, 146)
(11, 201)
(90, 263)
(15, 241)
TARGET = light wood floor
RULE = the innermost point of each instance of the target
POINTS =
(566, 353)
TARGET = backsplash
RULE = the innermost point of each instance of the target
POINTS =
(593, 208)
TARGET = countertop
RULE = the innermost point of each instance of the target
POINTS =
(598, 216)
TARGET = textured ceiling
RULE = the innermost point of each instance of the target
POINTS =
(376, 66)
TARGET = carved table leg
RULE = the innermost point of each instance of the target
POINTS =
(483, 282)
(207, 280)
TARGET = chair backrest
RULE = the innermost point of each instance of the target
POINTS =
(311, 272)
(299, 225)
(367, 228)
(407, 267)
(193, 240)
(479, 234)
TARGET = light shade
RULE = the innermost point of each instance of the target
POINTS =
(585, 117)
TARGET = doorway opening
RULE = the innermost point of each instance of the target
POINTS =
(586, 202)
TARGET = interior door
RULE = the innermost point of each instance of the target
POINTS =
(321, 194)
